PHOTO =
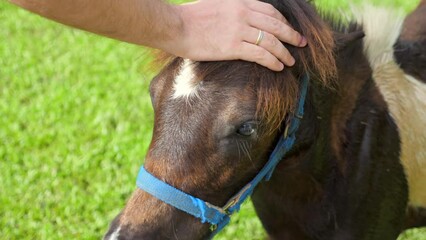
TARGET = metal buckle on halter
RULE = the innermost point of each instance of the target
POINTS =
(235, 199)
(213, 227)
(288, 122)
(229, 205)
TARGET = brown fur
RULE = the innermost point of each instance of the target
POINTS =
(275, 95)
(347, 91)
(196, 143)
(410, 50)
(277, 91)
(318, 57)
(414, 28)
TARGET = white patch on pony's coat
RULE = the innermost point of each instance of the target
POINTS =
(382, 28)
(115, 234)
(405, 96)
(185, 83)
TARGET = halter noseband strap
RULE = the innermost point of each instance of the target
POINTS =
(218, 217)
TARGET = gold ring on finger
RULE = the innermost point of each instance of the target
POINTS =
(260, 37)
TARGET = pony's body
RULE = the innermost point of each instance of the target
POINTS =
(312, 199)
(404, 92)
(356, 163)
(411, 46)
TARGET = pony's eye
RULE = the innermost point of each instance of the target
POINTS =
(247, 129)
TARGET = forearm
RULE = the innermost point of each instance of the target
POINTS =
(152, 23)
(205, 30)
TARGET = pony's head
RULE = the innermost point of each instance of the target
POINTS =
(216, 124)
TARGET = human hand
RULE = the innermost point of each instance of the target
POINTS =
(228, 30)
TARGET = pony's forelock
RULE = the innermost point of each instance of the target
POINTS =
(277, 92)
(317, 58)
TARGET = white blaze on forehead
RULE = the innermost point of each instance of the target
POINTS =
(405, 95)
(185, 83)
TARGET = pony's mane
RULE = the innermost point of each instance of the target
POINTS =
(317, 58)
(277, 92)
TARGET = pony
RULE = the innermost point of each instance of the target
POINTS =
(354, 168)
(411, 46)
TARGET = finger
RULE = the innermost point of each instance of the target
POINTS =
(267, 9)
(252, 53)
(270, 43)
(281, 30)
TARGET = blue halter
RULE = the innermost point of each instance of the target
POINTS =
(219, 217)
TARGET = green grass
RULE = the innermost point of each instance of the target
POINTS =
(75, 124)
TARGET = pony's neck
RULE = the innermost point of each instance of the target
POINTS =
(328, 110)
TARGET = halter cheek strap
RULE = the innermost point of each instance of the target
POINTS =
(219, 217)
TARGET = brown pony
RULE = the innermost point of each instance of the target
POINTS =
(345, 178)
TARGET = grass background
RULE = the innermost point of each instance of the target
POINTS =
(75, 123)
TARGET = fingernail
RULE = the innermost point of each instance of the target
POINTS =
(281, 67)
(292, 61)
(303, 42)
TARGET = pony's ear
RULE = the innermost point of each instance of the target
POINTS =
(344, 40)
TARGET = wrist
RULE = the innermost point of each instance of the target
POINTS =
(172, 38)
(155, 24)
(177, 42)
